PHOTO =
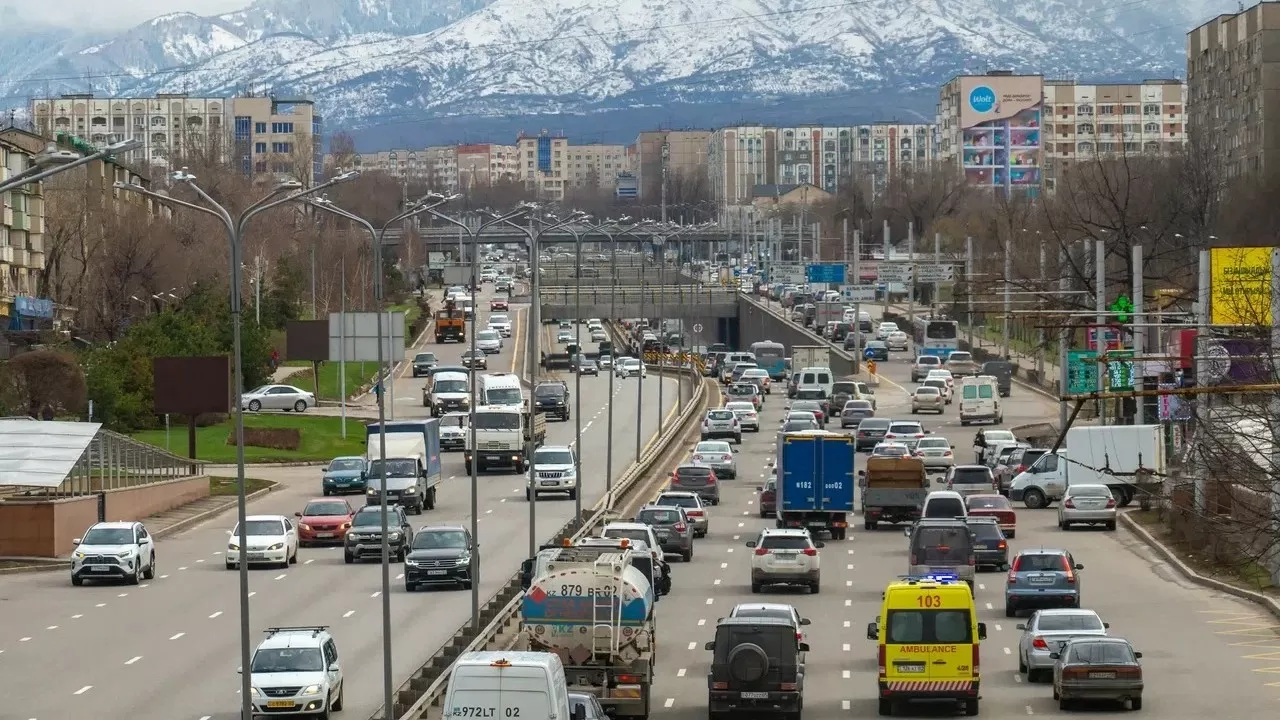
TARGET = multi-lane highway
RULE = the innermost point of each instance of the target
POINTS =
(168, 649)
(1205, 653)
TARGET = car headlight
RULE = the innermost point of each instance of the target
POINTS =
(464, 560)
(254, 692)
(304, 526)
(410, 490)
(277, 546)
(410, 562)
(126, 554)
(371, 491)
(233, 547)
(78, 555)
(393, 535)
(310, 690)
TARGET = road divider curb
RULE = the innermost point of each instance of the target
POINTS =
(426, 686)
(1169, 556)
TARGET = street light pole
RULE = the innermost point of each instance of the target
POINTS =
(52, 161)
(235, 227)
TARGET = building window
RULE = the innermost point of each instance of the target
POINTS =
(1151, 109)
(281, 128)
(259, 128)
(283, 148)
(1130, 109)
(260, 147)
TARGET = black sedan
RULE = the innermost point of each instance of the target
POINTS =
(475, 360)
(876, 350)
(439, 556)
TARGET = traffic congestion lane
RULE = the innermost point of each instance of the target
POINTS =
(1199, 668)
(316, 590)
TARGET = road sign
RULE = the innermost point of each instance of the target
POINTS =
(935, 273)
(826, 273)
(789, 274)
(697, 327)
(1082, 371)
(859, 293)
(1122, 309)
(1120, 370)
(895, 273)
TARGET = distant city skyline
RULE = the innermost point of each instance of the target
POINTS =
(96, 16)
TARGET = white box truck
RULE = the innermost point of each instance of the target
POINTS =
(806, 356)
(1129, 459)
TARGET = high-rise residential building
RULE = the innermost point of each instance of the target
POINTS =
(485, 164)
(169, 125)
(596, 166)
(278, 136)
(404, 164)
(686, 157)
(989, 130)
(1233, 88)
(738, 159)
(543, 164)
(833, 158)
(1087, 121)
(21, 243)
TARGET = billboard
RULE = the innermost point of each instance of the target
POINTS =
(1000, 122)
(1240, 285)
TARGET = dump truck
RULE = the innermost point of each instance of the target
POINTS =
(594, 609)
(815, 481)
(451, 323)
(893, 490)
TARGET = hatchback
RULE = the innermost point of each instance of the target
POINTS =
(1097, 668)
(748, 418)
(990, 547)
(489, 341)
(699, 479)
(870, 432)
(905, 430)
(423, 362)
(876, 350)
(760, 378)
(997, 507)
(1047, 631)
(672, 526)
(927, 399)
(694, 509)
(718, 455)
(942, 547)
(923, 365)
(721, 424)
(1042, 578)
(855, 411)
(937, 454)
(1087, 505)
(768, 497)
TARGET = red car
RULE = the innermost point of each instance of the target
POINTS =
(769, 498)
(996, 506)
(498, 304)
(324, 521)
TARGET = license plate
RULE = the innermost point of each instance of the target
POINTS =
(786, 558)
(913, 668)
(100, 568)
(1102, 675)
(257, 556)
(548, 483)
(324, 535)
(435, 572)
(1041, 581)
(755, 695)
(280, 703)
(493, 457)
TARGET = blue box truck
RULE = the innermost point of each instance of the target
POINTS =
(816, 481)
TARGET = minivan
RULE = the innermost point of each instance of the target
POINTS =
(1002, 371)
(944, 505)
(816, 376)
(979, 400)
(942, 547)
(514, 684)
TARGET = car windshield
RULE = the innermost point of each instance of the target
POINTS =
(928, 360)
(927, 391)
(873, 425)
(742, 390)
(784, 542)
(440, 540)
(1040, 562)
(807, 406)
(498, 421)
(890, 450)
(799, 426)
(424, 357)
(720, 415)
(451, 386)
(632, 534)
(1068, 622)
(692, 471)
(1101, 653)
(765, 612)
(741, 407)
(875, 344)
(857, 405)
(904, 428)
(815, 394)
(655, 516)
(988, 502)
(994, 437)
(549, 391)
(942, 545)
(109, 536)
(684, 501)
(712, 447)
(939, 384)
(917, 627)
(487, 335)
(346, 464)
(971, 476)
(284, 660)
(326, 509)
(259, 528)
(258, 390)
(959, 357)
(846, 388)
(395, 467)
(986, 530)
(373, 518)
(498, 320)
(553, 457)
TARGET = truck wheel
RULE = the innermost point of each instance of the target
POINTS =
(1034, 498)
(1124, 496)
(431, 499)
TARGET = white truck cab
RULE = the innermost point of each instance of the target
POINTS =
(502, 685)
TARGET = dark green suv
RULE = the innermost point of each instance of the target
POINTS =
(755, 668)
(364, 539)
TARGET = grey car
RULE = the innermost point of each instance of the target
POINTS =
(587, 366)
(718, 454)
(1044, 633)
(699, 479)
(855, 411)
(694, 508)
(1087, 505)
(423, 362)
(1097, 668)
(721, 424)
(672, 526)
(870, 432)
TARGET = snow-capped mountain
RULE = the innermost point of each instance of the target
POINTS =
(376, 61)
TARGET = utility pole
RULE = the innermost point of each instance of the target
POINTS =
(666, 153)
(1203, 317)
(857, 304)
(1008, 301)
(1064, 338)
(911, 286)
(1041, 348)
(1139, 337)
(1273, 563)
(968, 287)
(937, 271)
(1100, 301)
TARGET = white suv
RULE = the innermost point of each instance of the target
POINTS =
(787, 556)
(901, 430)
(295, 671)
(554, 470)
(114, 550)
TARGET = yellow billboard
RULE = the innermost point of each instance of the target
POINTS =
(1240, 285)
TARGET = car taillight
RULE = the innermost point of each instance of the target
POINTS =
(719, 686)
(1069, 504)
(627, 679)
(694, 513)
(1002, 545)
(881, 660)
(726, 458)
(1013, 577)
(697, 458)
(977, 660)
(681, 527)
(1039, 644)
(762, 551)
(811, 552)
(1111, 503)
(1070, 571)
(946, 453)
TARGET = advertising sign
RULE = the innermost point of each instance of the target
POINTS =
(1240, 285)
(1082, 371)
(1233, 361)
(1120, 366)
(1000, 121)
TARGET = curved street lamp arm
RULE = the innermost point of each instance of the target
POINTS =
(23, 179)
(128, 187)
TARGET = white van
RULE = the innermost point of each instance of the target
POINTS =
(502, 685)
(980, 400)
(812, 377)
(501, 389)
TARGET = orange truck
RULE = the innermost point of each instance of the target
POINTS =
(450, 325)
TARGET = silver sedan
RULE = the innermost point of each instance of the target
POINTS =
(1087, 505)
(1046, 630)
(277, 397)
(717, 454)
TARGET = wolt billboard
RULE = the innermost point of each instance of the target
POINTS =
(1000, 126)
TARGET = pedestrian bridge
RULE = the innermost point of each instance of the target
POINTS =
(618, 301)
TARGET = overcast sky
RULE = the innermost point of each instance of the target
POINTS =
(109, 16)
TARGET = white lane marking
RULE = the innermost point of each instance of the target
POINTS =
(669, 702)
(724, 565)
(845, 647)
(376, 594)
(989, 606)
(182, 568)
(348, 613)
(100, 605)
(52, 627)
(206, 717)
(217, 552)
(998, 628)
(215, 615)
(848, 603)
(710, 600)
(400, 576)
(851, 551)
(848, 583)
(849, 566)
(1017, 677)
(844, 674)
(702, 621)
(76, 617)
(1007, 651)
(489, 511)
(309, 561)
(751, 502)
(844, 705)
(746, 512)
(717, 582)
(177, 636)
(133, 660)
(737, 537)
(693, 646)
(681, 672)
(25, 639)
(848, 624)
(1030, 711)
(502, 500)
(255, 592)
(742, 524)
(200, 560)
(981, 586)
(144, 586)
(83, 690)
(729, 549)
(163, 577)
(281, 576)
(123, 595)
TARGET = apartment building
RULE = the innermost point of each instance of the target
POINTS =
(281, 136)
(405, 164)
(596, 166)
(169, 125)
(686, 156)
(738, 159)
(832, 158)
(485, 164)
(1087, 121)
(989, 130)
(21, 241)
(543, 164)
(1233, 88)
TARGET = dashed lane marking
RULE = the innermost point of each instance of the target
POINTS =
(24, 639)
(215, 615)
(702, 621)
(164, 577)
(281, 576)
(52, 627)
(848, 603)
(348, 613)
(844, 674)
(848, 624)
(724, 565)
(844, 704)
(1007, 651)
(133, 660)
(400, 576)
(845, 647)
(255, 592)
(182, 568)
(981, 586)
(83, 690)
(990, 607)
(200, 560)
(849, 566)
(123, 595)
(177, 636)
(681, 672)
(1030, 711)
(100, 605)
(376, 594)
(737, 537)
(669, 702)
(308, 562)
(717, 581)
(693, 646)
(76, 617)
(848, 583)
(710, 600)
(998, 628)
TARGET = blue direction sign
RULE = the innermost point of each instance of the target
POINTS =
(826, 273)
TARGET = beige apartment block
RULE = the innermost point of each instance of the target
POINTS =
(596, 166)
(834, 157)
(169, 125)
(21, 232)
(1087, 121)
(405, 164)
(687, 155)
(279, 136)
(485, 163)
(1233, 88)
(543, 164)
(738, 159)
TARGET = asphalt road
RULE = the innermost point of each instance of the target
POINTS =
(1197, 643)
(169, 649)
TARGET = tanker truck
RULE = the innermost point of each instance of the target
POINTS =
(595, 610)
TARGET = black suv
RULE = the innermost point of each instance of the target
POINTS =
(440, 555)
(552, 398)
(755, 668)
(364, 539)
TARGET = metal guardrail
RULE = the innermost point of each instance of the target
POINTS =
(442, 662)
(673, 295)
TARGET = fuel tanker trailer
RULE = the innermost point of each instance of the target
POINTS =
(594, 608)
